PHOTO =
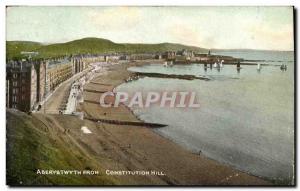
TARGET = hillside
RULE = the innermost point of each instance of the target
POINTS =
(36, 142)
(14, 48)
(89, 45)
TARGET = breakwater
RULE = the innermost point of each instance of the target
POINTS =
(176, 76)
(119, 122)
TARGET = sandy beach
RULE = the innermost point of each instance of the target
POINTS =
(131, 148)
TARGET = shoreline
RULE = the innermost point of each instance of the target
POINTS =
(126, 113)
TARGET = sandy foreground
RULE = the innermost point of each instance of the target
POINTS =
(60, 141)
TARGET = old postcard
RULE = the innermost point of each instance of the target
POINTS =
(141, 95)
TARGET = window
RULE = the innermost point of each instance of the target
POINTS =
(15, 83)
(14, 99)
(15, 90)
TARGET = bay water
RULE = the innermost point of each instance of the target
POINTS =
(245, 118)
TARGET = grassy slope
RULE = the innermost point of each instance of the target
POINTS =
(33, 144)
(89, 45)
(14, 48)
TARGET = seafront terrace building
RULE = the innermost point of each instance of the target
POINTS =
(21, 85)
(40, 69)
(28, 82)
(59, 71)
(91, 59)
(142, 56)
(170, 55)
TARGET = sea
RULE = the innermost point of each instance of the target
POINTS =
(245, 118)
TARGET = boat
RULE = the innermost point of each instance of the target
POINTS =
(218, 64)
(168, 64)
(258, 66)
(221, 63)
(283, 67)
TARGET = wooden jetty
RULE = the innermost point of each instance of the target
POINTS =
(90, 101)
(119, 122)
(249, 63)
(100, 84)
(176, 76)
(94, 91)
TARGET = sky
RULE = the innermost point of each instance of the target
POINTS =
(268, 28)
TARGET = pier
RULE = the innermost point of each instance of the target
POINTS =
(224, 63)
(176, 76)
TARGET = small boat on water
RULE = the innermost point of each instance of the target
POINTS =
(283, 67)
(221, 64)
(168, 64)
(215, 65)
(218, 64)
(258, 66)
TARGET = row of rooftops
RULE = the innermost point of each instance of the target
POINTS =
(88, 55)
(53, 63)
(21, 66)
(23, 63)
